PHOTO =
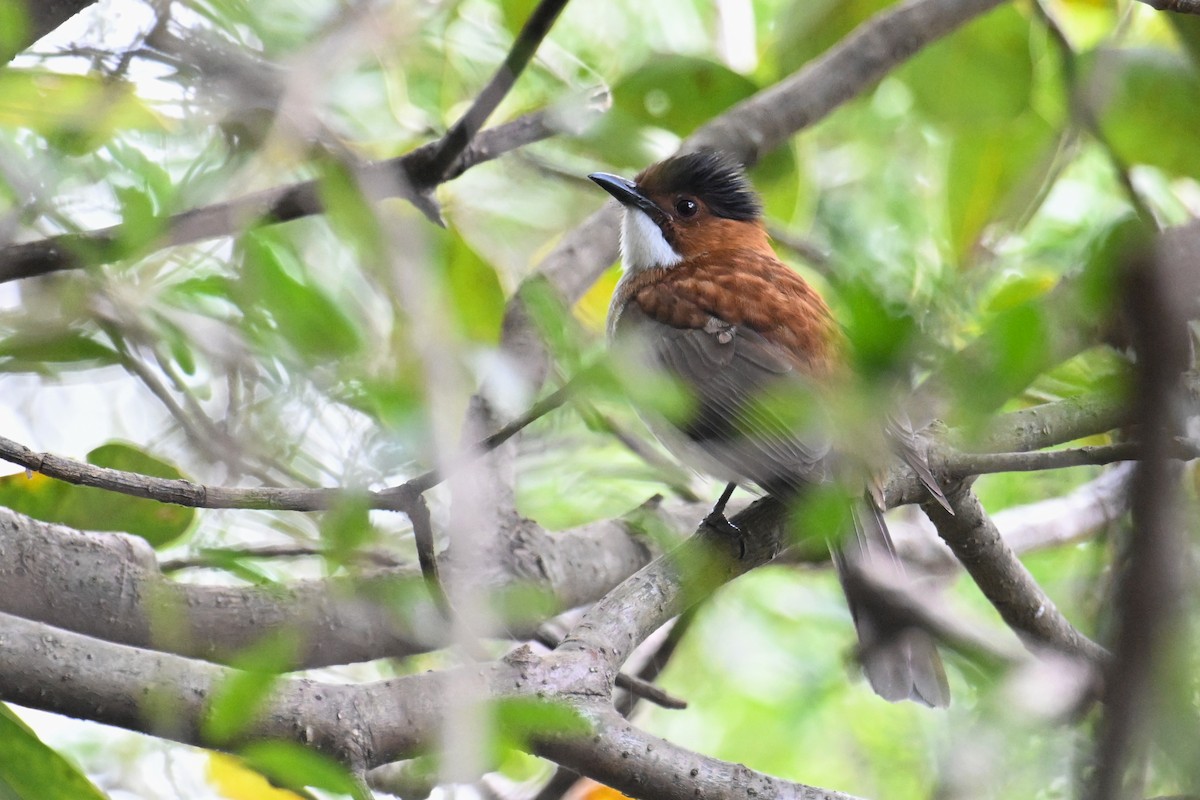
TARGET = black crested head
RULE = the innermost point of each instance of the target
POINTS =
(712, 176)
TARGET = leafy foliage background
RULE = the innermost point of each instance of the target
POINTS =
(943, 205)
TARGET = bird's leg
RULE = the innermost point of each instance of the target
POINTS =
(717, 520)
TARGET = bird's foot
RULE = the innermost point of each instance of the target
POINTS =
(717, 521)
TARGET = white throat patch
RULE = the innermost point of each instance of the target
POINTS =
(643, 245)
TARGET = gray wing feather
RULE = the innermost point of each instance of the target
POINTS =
(729, 369)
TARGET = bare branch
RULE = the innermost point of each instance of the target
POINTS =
(966, 464)
(664, 770)
(1178, 6)
(404, 497)
(1151, 595)
(1004, 580)
(75, 250)
(464, 131)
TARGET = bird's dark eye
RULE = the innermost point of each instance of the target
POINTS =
(686, 207)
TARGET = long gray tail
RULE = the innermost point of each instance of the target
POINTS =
(900, 662)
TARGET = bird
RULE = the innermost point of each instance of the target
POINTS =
(704, 299)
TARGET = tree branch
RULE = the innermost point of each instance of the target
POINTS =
(664, 770)
(464, 131)
(966, 464)
(361, 725)
(1178, 6)
(63, 577)
(76, 250)
(1151, 598)
(1004, 580)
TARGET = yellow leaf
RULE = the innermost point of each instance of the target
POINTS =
(592, 308)
(234, 781)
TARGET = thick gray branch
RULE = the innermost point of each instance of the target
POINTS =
(361, 725)
(109, 586)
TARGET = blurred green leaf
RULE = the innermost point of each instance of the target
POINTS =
(77, 113)
(98, 509)
(528, 718)
(1012, 352)
(346, 527)
(1151, 109)
(1187, 28)
(472, 288)
(236, 702)
(297, 767)
(36, 350)
(139, 224)
(987, 167)
(880, 333)
(14, 29)
(516, 12)
(29, 770)
(981, 75)
(553, 320)
(280, 298)
(810, 27)
(149, 177)
(676, 93)
(349, 213)
(1016, 289)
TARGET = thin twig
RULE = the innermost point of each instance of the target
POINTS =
(463, 131)
(280, 204)
(187, 493)
(1177, 6)
(427, 480)
(1084, 114)
(965, 464)
(217, 557)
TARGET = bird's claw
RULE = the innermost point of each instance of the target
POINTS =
(718, 522)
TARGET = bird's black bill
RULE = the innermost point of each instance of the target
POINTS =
(627, 194)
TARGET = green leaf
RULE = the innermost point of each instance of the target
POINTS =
(349, 213)
(149, 177)
(880, 333)
(95, 509)
(527, 718)
(14, 29)
(296, 767)
(1187, 28)
(988, 167)
(76, 112)
(1009, 355)
(281, 299)
(670, 92)
(346, 527)
(1152, 112)
(35, 350)
(29, 770)
(982, 75)
(472, 288)
(237, 701)
(516, 12)
(140, 225)
(810, 27)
